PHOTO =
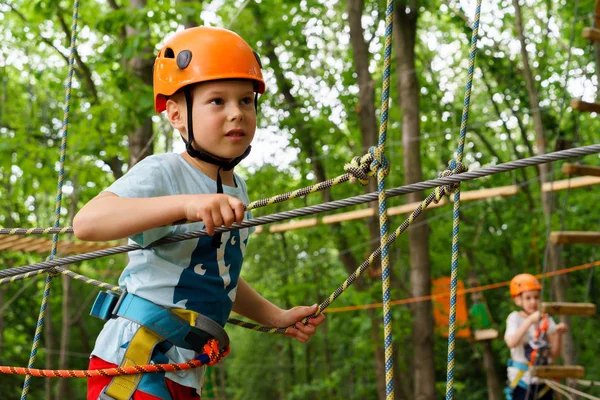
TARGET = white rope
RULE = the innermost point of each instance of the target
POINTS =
(551, 385)
(584, 382)
(570, 389)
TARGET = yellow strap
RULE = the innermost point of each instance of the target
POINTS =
(542, 392)
(515, 382)
(139, 352)
(186, 315)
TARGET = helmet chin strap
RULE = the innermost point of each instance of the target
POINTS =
(223, 164)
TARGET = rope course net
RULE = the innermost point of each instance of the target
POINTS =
(360, 169)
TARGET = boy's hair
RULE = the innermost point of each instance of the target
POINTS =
(523, 283)
(203, 54)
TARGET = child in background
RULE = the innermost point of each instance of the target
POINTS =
(180, 295)
(533, 338)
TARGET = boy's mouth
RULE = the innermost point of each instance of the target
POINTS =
(235, 133)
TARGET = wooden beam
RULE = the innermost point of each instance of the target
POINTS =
(569, 308)
(576, 169)
(472, 195)
(348, 216)
(585, 106)
(558, 371)
(581, 181)
(305, 223)
(42, 245)
(22, 243)
(502, 191)
(574, 237)
(481, 335)
(591, 34)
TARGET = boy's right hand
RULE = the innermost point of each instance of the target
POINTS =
(534, 317)
(214, 210)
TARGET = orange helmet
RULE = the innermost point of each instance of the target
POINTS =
(203, 54)
(523, 283)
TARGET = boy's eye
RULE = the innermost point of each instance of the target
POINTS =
(247, 100)
(217, 101)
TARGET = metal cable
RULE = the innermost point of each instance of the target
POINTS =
(333, 205)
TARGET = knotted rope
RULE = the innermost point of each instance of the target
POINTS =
(61, 173)
(454, 165)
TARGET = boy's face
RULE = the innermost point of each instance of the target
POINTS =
(529, 301)
(224, 117)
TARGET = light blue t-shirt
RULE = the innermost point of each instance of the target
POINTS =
(190, 274)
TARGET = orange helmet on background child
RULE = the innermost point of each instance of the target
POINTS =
(203, 54)
(523, 283)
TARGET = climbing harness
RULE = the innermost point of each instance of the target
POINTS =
(160, 329)
(538, 353)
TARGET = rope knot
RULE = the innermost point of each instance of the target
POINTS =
(365, 167)
(215, 355)
(359, 169)
(454, 167)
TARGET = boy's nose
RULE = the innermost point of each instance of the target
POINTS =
(235, 113)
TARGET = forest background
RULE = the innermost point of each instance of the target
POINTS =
(323, 67)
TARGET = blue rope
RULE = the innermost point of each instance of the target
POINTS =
(455, 165)
(61, 173)
(382, 170)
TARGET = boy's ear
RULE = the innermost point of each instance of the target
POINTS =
(176, 114)
(518, 301)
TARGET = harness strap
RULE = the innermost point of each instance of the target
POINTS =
(139, 352)
(159, 327)
(522, 368)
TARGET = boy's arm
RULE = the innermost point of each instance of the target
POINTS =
(252, 305)
(110, 217)
(514, 338)
(555, 339)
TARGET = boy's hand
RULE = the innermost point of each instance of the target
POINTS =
(295, 316)
(562, 328)
(214, 210)
(534, 317)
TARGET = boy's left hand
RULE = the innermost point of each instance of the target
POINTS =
(562, 328)
(294, 316)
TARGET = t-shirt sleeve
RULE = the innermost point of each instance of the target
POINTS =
(512, 324)
(146, 179)
(551, 325)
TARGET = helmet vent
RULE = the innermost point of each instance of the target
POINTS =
(184, 58)
(169, 53)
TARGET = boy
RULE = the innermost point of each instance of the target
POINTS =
(207, 80)
(533, 339)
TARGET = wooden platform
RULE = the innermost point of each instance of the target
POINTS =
(569, 308)
(574, 237)
(584, 106)
(43, 246)
(576, 169)
(485, 334)
(591, 34)
(558, 371)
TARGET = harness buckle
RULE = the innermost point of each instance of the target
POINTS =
(106, 304)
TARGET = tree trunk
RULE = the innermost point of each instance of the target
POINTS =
(2, 300)
(558, 284)
(65, 336)
(491, 378)
(142, 65)
(405, 28)
(369, 135)
(489, 365)
(48, 335)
